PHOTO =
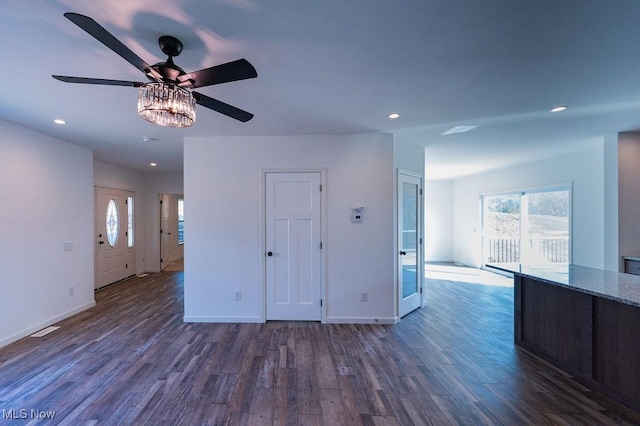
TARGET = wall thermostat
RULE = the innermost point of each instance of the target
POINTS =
(357, 214)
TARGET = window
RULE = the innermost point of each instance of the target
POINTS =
(527, 228)
(113, 224)
(180, 221)
(130, 221)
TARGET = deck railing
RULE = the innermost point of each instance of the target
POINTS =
(509, 250)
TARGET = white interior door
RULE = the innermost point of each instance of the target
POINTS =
(293, 252)
(165, 231)
(115, 251)
(409, 242)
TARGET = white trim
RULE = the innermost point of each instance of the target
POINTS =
(362, 320)
(537, 188)
(215, 319)
(323, 232)
(44, 324)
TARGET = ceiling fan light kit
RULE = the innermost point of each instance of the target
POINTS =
(166, 105)
(166, 100)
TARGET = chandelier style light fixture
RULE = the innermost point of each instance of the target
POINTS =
(167, 100)
(166, 104)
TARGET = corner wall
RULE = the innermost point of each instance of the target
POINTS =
(224, 251)
(47, 231)
(438, 220)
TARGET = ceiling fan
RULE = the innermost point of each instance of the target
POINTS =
(165, 100)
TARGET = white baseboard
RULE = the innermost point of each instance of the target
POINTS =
(362, 320)
(24, 333)
(330, 320)
(196, 318)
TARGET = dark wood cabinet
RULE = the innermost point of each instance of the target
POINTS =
(595, 339)
(632, 267)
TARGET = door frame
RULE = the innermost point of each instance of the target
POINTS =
(323, 233)
(420, 235)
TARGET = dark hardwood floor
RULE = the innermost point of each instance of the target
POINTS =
(131, 360)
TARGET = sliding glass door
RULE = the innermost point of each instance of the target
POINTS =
(530, 228)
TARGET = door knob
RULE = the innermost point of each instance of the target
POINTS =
(100, 242)
(269, 253)
(403, 253)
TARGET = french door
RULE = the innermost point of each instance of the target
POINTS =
(293, 251)
(115, 256)
(410, 270)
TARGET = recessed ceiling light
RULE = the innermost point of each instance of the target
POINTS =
(458, 129)
(394, 115)
(558, 108)
(152, 164)
(59, 121)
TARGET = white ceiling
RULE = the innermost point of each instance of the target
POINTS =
(339, 67)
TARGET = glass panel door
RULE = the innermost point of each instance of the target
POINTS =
(501, 226)
(530, 228)
(409, 233)
(545, 228)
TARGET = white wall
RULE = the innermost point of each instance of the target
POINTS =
(438, 219)
(47, 194)
(223, 223)
(584, 169)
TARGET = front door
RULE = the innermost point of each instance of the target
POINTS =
(409, 242)
(293, 251)
(115, 250)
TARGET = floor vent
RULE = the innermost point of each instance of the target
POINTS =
(45, 331)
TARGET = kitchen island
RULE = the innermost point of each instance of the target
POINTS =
(585, 321)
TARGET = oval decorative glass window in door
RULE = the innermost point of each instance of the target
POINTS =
(112, 223)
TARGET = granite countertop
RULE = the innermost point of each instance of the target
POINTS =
(616, 286)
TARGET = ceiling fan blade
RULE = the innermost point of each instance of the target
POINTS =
(221, 107)
(101, 81)
(240, 69)
(106, 38)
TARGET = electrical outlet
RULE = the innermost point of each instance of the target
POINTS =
(364, 296)
(71, 291)
(238, 296)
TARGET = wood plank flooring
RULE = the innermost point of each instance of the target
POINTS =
(131, 360)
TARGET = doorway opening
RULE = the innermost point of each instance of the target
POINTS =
(171, 232)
